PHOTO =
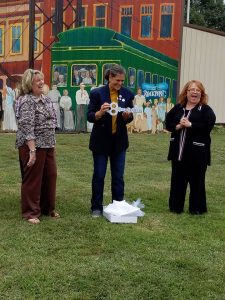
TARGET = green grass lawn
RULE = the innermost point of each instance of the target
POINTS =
(163, 256)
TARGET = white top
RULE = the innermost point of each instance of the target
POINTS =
(139, 100)
(87, 80)
(65, 102)
(54, 95)
(82, 97)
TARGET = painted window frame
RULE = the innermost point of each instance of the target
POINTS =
(161, 78)
(2, 27)
(174, 89)
(155, 75)
(168, 81)
(131, 71)
(87, 66)
(150, 77)
(53, 22)
(145, 14)
(98, 19)
(64, 20)
(65, 74)
(18, 24)
(139, 71)
(85, 19)
(37, 36)
(172, 23)
(120, 20)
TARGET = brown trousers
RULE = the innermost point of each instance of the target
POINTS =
(38, 190)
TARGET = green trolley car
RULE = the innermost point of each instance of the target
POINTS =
(83, 54)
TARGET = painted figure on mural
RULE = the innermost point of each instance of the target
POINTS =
(87, 79)
(61, 80)
(131, 78)
(169, 104)
(131, 83)
(148, 113)
(76, 78)
(56, 76)
(9, 122)
(55, 96)
(82, 72)
(82, 100)
(155, 102)
(154, 119)
(1, 104)
(93, 76)
(139, 102)
(66, 104)
(162, 110)
(1, 110)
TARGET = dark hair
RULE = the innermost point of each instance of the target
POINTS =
(114, 70)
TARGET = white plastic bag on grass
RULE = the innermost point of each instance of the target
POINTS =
(123, 208)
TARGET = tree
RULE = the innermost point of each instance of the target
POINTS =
(208, 13)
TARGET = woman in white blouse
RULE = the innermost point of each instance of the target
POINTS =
(66, 104)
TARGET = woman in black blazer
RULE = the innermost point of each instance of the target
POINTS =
(190, 123)
(109, 137)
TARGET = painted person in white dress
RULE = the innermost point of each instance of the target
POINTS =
(139, 102)
(9, 122)
(55, 96)
(66, 104)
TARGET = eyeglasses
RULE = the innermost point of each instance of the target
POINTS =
(193, 90)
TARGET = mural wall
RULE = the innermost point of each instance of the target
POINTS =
(79, 61)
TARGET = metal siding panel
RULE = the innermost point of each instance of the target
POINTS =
(203, 59)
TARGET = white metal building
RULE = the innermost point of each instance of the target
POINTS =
(203, 58)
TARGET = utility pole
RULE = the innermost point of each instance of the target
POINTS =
(58, 17)
(31, 32)
(79, 14)
(188, 10)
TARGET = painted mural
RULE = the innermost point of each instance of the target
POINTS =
(151, 75)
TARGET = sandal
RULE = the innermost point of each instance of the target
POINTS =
(55, 215)
(33, 221)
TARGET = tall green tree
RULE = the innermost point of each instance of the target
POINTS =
(208, 13)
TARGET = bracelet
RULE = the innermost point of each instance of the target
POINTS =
(32, 151)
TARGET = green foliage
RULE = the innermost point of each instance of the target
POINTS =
(208, 13)
(163, 256)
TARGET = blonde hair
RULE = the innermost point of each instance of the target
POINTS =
(183, 95)
(27, 80)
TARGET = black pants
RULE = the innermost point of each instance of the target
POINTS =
(182, 174)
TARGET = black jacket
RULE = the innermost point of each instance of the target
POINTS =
(101, 136)
(197, 142)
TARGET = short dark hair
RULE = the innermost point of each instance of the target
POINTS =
(114, 70)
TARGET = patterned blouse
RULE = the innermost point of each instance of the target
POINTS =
(36, 120)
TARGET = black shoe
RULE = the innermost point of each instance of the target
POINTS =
(196, 212)
(96, 213)
(176, 211)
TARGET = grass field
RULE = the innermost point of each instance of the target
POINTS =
(164, 256)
